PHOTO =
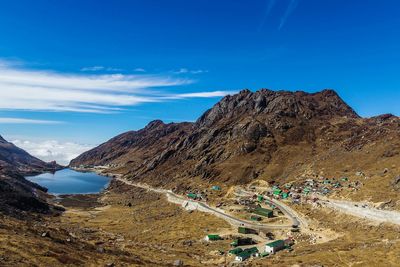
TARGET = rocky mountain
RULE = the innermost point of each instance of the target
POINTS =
(17, 193)
(266, 134)
(16, 158)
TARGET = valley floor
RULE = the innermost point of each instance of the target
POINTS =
(130, 226)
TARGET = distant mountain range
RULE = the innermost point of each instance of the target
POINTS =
(270, 135)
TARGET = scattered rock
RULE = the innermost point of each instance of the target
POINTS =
(383, 205)
(188, 243)
(46, 234)
(396, 182)
(178, 263)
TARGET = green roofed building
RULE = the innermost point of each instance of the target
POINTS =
(246, 254)
(306, 190)
(242, 242)
(213, 237)
(245, 231)
(277, 192)
(263, 212)
(242, 256)
(235, 251)
(192, 196)
(252, 250)
(275, 246)
(255, 218)
(260, 198)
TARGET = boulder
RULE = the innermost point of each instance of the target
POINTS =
(178, 263)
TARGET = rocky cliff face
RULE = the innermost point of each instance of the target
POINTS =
(266, 134)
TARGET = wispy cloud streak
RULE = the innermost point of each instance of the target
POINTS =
(26, 121)
(22, 89)
(186, 70)
(270, 5)
(199, 95)
(291, 7)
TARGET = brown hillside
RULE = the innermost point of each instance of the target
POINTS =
(269, 135)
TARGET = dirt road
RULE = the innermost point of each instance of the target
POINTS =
(362, 210)
(201, 206)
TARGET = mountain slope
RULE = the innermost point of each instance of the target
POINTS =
(269, 135)
(12, 156)
(17, 193)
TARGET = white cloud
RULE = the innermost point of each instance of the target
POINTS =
(139, 70)
(26, 121)
(99, 68)
(200, 95)
(49, 150)
(113, 69)
(34, 90)
(185, 70)
(181, 70)
(93, 68)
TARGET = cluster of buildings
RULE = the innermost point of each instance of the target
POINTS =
(311, 187)
(269, 249)
(243, 248)
(201, 195)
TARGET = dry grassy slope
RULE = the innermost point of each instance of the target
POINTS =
(263, 135)
(153, 232)
(358, 244)
(148, 232)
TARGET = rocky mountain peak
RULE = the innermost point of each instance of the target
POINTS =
(278, 104)
(242, 137)
(154, 124)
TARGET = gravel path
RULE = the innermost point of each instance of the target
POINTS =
(361, 210)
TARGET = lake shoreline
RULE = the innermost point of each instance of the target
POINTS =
(70, 181)
(84, 201)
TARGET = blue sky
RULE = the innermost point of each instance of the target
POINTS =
(79, 72)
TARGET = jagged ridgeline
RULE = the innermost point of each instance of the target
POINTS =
(264, 134)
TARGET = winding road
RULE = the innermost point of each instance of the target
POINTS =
(201, 206)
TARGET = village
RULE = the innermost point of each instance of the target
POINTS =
(262, 217)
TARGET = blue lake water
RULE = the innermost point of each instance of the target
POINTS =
(68, 181)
